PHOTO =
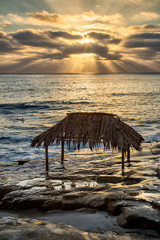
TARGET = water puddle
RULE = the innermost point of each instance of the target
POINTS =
(68, 185)
(42, 183)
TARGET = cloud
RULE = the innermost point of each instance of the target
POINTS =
(108, 38)
(54, 44)
(145, 27)
(143, 40)
(136, 1)
(98, 35)
(148, 35)
(34, 38)
(44, 39)
(146, 16)
(7, 44)
(65, 35)
(45, 16)
(98, 50)
(108, 41)
(80, 19)
(143, 45)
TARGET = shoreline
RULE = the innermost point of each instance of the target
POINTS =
(90, 180)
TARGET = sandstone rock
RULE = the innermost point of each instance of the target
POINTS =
(139, 217)
(53, 203)
(115, 207)
(109, 179)
(6, 188)
(12, 228)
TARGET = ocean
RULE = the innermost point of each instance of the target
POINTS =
(29, 104)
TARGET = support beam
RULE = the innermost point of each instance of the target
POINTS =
(122, 162)
(128, 156)
(46, 153)
(62, 151)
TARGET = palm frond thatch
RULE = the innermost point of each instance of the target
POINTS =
(93, 128)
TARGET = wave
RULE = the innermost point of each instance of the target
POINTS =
(136, 94)
(39, 105)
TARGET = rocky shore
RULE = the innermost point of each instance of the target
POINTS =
(90, 181)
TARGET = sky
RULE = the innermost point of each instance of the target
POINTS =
(79, 36)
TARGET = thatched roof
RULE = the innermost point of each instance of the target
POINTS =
(94, 128)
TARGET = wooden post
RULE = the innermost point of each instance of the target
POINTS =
(62, 151)
(46, 153)
(128, 156)
(122, 162)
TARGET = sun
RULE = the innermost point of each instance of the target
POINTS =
(86, 40)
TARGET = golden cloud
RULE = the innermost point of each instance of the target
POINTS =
(85, 18)
(146, 16)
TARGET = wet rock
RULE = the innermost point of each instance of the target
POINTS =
(21, 162)
(155, 148)
(109, 179)
(7, 188)
(115, 207)
(12, 228)
(28, 229)
(93, 200)
(50, 205)
(132, 181)
(139, 217)
(23, 199)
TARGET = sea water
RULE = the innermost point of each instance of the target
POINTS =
(30, 104)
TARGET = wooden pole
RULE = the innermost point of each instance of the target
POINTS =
(46, 153)
(122, 162)
(128, 156)
(62, 151)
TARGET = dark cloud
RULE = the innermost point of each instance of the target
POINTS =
(115, 40)
(145, 36)
(30, 38)
(6, 47)
(7, 44)
(48, 17)
(64, 35)
(44, 39)
(52, 56)
(145, 54)
(98, 35)
(98, 50)
(104, 37)
(151, 26)
(77, 48)
(148, 27)
(143, 44)
(49, 40)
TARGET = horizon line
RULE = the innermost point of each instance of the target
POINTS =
(83, 73)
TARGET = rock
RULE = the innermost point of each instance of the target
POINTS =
(21, 162)
(115, 207)
(139, 217)
(93, 200)
(109, 179)
(31, 229)
(53, 203)
(23, 199)
(12, 228)
(71, 196)
(155, 148)
(7, 188)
